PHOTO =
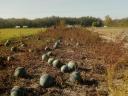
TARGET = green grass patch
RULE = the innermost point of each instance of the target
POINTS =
(16, 33)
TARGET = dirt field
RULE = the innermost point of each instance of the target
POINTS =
(112, 33)
(96, 59)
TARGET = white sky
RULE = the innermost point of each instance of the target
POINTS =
(72, 8)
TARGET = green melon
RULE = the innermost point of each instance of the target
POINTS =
(72, 65)
(9, 58)
(20, 72)
(50, 60)
(75, 77)
(14, 49)
(47, 48)
(59, 41)
(18, 91)
(7, 43)
(56, 63)
(56, 45)
(45, 57)
(22, 44)
(64, 69)
(49, 53)
(46, 81)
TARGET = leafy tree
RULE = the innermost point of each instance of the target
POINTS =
(49, 21)
(108, 21)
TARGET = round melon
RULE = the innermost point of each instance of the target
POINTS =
(47, 48)
(59, 41)
(56, 45)
(22, 45)
(56, 63)
(49, 53)
(72, 65)
(9, 58)
(7, 43)
(75, 77)
(20, 72)
(18, 91)
(50, 60)
(64, 69)
(44, 57)
(14, 49)
(46, 80)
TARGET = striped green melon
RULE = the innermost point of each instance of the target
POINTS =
(75, 77)
(46, 81)
(56, 63)
(20, 72)
(64, 69)
(18, 91)
(49, 53)
(50, 60)
(45, 57)
(7, 43)
(71, 65)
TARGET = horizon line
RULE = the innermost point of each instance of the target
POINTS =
(32, 18)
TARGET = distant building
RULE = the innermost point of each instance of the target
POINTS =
(17, 27)
(25, 26)
(77, 26)
(69, 26)
(105, 26)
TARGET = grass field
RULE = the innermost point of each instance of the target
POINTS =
(16, 33)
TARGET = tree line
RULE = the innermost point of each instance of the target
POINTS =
(87, 21)
(50, 21)
(115, 22)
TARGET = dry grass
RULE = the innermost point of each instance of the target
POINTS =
(115, 55)
(111, 53)
(111, 32)
(80, 35)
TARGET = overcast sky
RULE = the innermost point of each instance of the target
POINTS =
(69, 8)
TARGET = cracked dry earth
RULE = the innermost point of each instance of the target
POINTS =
(86, 61)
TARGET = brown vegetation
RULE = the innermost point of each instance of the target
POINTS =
(97, 60)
